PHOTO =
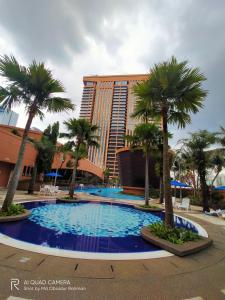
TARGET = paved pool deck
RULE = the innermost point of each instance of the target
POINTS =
(200, 275)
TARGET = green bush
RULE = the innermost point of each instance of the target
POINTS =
(13, 210)
(196, 200)
(217, 200)
(69, 198)
(148, 206)
(153, 193)
(174, 235)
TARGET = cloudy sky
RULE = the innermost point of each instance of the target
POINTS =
(85, 37)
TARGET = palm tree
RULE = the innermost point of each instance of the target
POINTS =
(217, 162)
(52, 133)
(221, 136)
(35, 87)
(80, 133)
(147, 137)
(106, 174)
(196, 147)
(172, 92)
(45, 151)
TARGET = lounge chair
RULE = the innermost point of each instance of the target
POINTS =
(212, 213)
(173, 202)
(44, 190)
(185, 204)
(215, 213)
(220, 212)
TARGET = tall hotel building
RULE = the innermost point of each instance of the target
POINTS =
(108, 102)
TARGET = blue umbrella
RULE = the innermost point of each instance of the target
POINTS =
(53, 174)
(220, 188)
(178, 184)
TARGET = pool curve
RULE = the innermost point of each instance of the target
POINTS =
(29, 235)
(113, 193)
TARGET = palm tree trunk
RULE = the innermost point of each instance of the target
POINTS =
(166, 175)
(161, 190)
(72, 184)
(13, 183)
(33, 180)
(204, 191)
(211, 187)
(146, 179)
(218, 172)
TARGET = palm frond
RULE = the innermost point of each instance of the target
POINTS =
(13, 71)
(10, 96)
(57, 104)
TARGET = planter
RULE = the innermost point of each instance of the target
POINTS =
(179, 250)
(14, 218)
(67, 200)
(150, 209)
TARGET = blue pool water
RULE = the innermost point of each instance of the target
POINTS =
(93, 219)
(85, 226)
(110, 193)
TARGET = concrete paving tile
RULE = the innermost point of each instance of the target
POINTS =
(162, 267)
(129, 269)
(7, 251)
(101, 270)
(209, 256)
(218, 245)
(16, 298)
(57, 265)
(27, 261)
(195, 298)
(185, 264)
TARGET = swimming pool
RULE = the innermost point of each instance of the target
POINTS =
(110, 193)
(85, 229)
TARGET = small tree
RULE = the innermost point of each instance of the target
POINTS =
(172, 92)
(35, 87)
(196, 147)
(45, 150)
(106, 174)
(146, 137)
(80, 133)
(217, 163)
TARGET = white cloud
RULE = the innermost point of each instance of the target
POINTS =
(84, 37)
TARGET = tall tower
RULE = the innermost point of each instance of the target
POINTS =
(8, 117)
(108, 101)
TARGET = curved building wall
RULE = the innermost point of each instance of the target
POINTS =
(132, 171)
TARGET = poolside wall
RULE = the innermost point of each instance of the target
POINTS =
(132, 171)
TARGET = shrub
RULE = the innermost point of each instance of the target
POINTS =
(69, 198)
(153, 193)
(16, 132)
(13, 210)
(175, 235)
(217, 200)
(148, 206)
(196, 200)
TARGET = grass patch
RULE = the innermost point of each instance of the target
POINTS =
(174, 235)
(69, 198)
(148, 206)
(13, 210)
